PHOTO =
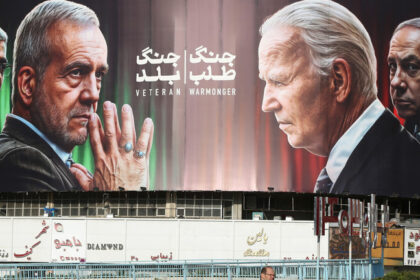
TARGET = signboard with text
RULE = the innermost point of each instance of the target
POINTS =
(412, 247)
(69, 241)
(393, 249)
(148, 240)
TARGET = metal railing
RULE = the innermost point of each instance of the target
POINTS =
(189, 270)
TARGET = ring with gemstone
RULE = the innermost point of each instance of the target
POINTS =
(139, 154)
(128, 147)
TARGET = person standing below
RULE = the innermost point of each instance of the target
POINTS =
(267, 273)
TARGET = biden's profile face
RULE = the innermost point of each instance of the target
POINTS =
(404, 71)
(293, 89)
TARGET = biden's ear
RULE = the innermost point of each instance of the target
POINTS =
(26, 84)
(341, 79)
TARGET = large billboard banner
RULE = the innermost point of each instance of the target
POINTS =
(207, 83)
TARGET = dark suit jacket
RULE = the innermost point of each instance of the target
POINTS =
(385, 162)
(28, 163)
(410, 125)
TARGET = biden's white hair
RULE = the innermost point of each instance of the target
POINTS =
(331, 31)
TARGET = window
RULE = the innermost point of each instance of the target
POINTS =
(202, 204)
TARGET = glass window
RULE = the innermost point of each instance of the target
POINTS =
(142, 202)
(180, 212)
(207, 212)
(91, 211)
(216, 212)
(101, 212)
(161, 203)
(65, 212)
(180, 201)
(151, 212)
(74, 212)
(27, 212)
(189, 212)
(142, 212)
(161, 212)
(123, 212)
(198, 212)
(83, 211)
(132, 212)
(207, 202)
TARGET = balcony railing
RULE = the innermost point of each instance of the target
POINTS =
(189, 270)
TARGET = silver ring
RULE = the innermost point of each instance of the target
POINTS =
(128, 147)
(139, 154)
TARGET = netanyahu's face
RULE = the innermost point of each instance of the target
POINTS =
(404, 71)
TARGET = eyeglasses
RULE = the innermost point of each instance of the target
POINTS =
(4, 66)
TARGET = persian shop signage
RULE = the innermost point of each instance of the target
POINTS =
(105, 246)
(260, 239)
(29, 249)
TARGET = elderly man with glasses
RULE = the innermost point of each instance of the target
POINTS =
(267, 273)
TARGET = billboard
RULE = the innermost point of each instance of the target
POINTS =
(339, 245)
(393, 250)
(134, 240)
(192, 67)
(411, 246)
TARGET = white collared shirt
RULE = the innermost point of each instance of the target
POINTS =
(60, 152)
(345, 146)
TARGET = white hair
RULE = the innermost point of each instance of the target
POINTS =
(414, 22)
(3, 36)
(32, 44)
(331, 31)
